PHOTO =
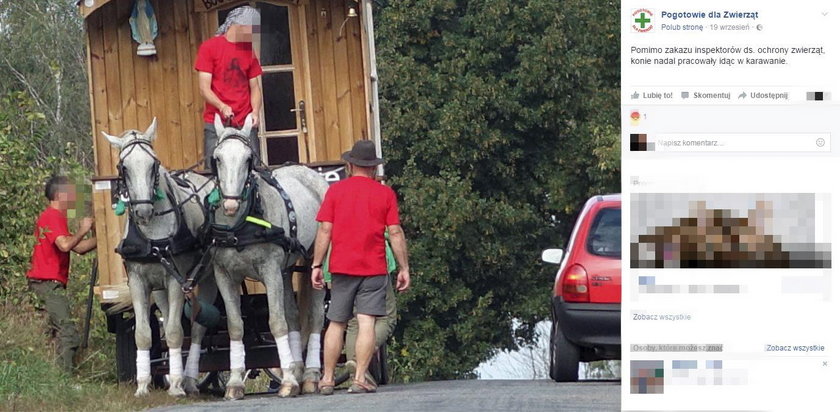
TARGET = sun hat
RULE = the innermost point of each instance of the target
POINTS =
(363, 154)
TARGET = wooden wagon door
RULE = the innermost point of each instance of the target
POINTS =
(280, 49)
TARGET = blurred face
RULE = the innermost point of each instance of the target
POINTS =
(66, 193)
(244, 33)
(66, 196)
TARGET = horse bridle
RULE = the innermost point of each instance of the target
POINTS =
(122, 188)
(251, 166)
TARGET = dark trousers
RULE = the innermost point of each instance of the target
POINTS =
(54, 297)
(211, 140)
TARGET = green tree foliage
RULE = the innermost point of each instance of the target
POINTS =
(500, 118)
(42, 53)
(44, 128)
(23, 171)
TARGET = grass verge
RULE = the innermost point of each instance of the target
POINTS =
(31, 381)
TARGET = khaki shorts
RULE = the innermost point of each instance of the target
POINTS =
(365, 293)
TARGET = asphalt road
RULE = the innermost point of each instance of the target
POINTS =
(443, 396)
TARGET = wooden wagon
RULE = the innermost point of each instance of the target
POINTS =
(319, 97)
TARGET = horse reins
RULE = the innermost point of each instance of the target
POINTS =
(122, 185)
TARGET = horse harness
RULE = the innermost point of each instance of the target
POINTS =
(136, 247)
(250, 228)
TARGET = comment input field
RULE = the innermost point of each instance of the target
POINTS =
(734, 142)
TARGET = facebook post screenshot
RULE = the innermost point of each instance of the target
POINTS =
(731, 200)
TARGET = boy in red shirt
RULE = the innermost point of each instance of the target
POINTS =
(229, 77)
(354, 216)
(47, 276)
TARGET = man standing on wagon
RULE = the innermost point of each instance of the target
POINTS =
(47, 276)
(229, 77)
(354, 216)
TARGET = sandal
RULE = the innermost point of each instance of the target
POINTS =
(326, 388)
(361, 387)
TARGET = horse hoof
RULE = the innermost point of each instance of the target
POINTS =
(176, 392)
(288, 390)
(190, 387)
(235, 393)
(143, 387)
(309, 387)
(176, 386)
(297, 370)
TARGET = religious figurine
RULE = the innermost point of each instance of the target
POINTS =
(144, 28)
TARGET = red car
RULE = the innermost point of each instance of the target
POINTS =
(586, 304)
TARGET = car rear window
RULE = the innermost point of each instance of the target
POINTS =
(605, 235)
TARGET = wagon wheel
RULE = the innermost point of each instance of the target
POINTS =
(275, 379)
(210, 382)
(213, 382)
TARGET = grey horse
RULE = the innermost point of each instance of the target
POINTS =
(266, 261)
(151, 191)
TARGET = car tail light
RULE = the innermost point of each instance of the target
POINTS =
(575, 284)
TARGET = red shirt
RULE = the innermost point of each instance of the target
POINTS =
(48, 261)
(232, 66)
(359, 208)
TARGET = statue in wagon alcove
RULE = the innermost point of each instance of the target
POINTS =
(144, 28)
(161, 253)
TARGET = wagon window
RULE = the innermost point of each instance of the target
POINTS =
(279, 147)
(276, 43)
(280, 127)
(279, 99)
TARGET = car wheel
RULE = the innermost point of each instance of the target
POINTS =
(564, 356)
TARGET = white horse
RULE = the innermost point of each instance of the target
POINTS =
(158, 206)
(268, 262)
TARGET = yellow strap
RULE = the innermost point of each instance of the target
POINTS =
(258, 221)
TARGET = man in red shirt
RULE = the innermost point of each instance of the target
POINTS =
(354, 216)
(47, 276)
(229, 77)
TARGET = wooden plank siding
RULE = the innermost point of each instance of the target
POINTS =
(127, 91)
(338, 104)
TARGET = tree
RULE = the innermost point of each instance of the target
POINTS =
(42, 53)
(497, 117)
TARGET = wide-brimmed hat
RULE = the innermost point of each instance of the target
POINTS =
(363, 154)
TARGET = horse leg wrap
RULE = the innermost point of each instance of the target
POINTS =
(284, 351)
(192, 361)
(294, 343)
(313, 351)
(237, 355)
(143, 364)
(176, 363)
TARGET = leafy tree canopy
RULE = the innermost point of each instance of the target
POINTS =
(500, 118)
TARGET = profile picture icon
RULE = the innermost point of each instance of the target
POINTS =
(642, 20)
(635, 117)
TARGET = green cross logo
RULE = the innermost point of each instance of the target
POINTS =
(642, 20)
